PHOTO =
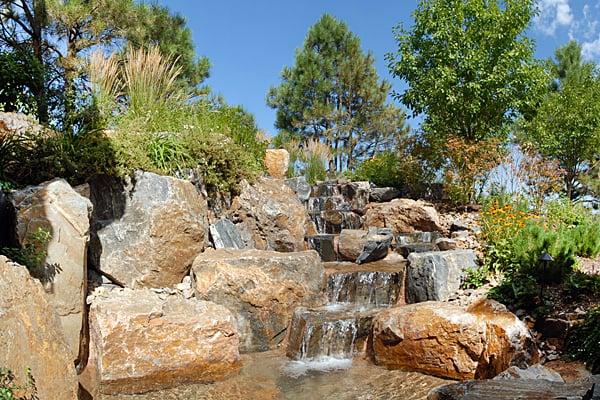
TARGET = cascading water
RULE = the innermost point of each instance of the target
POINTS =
(364, 288)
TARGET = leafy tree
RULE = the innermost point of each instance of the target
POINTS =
(333, 94)
(566, 126)
(469, 67)
(21, 76)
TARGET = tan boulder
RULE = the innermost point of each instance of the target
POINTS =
(260, 288)
(447, 341)
(403, 216)
(270, 216)
(277, 162)
(147, 231)
(31, 335)
(60, 211)
(142, 341)
(351, 243)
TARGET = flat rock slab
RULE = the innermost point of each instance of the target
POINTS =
(142, 341)
(403, 215)
(261, 288)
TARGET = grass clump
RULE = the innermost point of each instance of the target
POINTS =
(584, 341)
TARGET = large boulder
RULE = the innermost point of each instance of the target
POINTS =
(141, 340)
(364, 246)
(58, 210)
(300, 186)
(31, 335)
(403, 215)
(147, 231)
(270, 216)
(437, 275)
(277, 162)
(445, 340)
(260, 288)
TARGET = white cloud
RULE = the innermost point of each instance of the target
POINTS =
(591, 50)
(553, 14)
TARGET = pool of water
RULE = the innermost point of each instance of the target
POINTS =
(270, 376)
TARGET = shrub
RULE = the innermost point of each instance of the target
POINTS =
(382, 170)
(33, 252)
(584, 341)
(11, 391)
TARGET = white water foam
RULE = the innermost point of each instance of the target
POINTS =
(296, 369)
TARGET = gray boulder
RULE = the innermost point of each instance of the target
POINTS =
(300, 186)
(383, 194)
(437, 275)
(224, 235)
(324, 244)
(536, 371)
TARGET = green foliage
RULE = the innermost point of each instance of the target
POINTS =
(468, 65)
(382, 170)
(21, 75)
(584, 341)
(333, 94)
(520, 290)
(33, 252)
(578, 284)
(566, 125)
(476, 277)
(11, 391)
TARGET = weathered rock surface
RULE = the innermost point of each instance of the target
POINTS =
(270, 216)
(446, 244)
(348, 195)
(31, 335)
(523, 389)
(224, 235)
(375, 248)
(363, 246)
(142, 341)
(277, 162)
(300, 186)
(323, 244)
(403, 215)
(437, 275)
(60, 211)
(383, 194)
(147, 232)
(536, 371)
(261, 288)
(444, 340)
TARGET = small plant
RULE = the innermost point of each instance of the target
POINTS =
(9, 390)
(316, 155)
(476, 277)
(584, 341)
(33, 253)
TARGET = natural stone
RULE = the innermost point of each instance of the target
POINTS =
(381, 195)
(277, 162)
(324, 245)
(459, 225)
(147, 231)
(224, 235)
(437, 275)
(363, 246)
(446, 244)
(31, 335)
(300, 186)
(536, 371)
(448, 341)
(261, 288)
(403, 215)
(142, 341)
(417, 237)
(61, 212)
(270, 216)
(409, 248)
(375, 248)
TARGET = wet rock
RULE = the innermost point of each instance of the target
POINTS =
(363, 246)
(142, 341)
(381, 195)
(324, 245)
(148, 231)
(448, 341)
(277, 162)
(334, 221)
(525, 389)
(354, 195)
(437, 275)
(351, 243)
(301, 187)
(417, 237)
(375, 248)
(406, 249)
(536, 371)
(269, 214)
(403, 215)
(61, 212)
(31, 335)
(261, 288)
(445, 244)
(224, 235)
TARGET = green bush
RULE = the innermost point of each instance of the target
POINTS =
(9, 390)
(33, 252)
(584, 341)
(382, 170)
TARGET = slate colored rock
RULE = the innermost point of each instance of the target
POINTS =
(224, 235)
(324, 245)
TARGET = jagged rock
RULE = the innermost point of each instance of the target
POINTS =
(58, 210)
(437, 275)
(147, 232)
(261, 288)
(324, 244)
(270, 216)
(354, 194)
(445, 244)
(351, 243)
(523, 389)
(334, 221)
(300, 186)
(142, 341)
(363, 246)
(458, 225)
(31, 335)
(375, 248)
(536, 371)
(381, 195)
(277, 162)
(224, 235)
(403, 215)
(447, 341)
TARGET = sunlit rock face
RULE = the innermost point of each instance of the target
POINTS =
(261, 288)
(141, 341)
(31, 335)
(61, 212)
(277, 162)
(403, 215)
(147, 232)
(445, 340)
(270, 216)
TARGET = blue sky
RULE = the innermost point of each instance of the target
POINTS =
(249, 41)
